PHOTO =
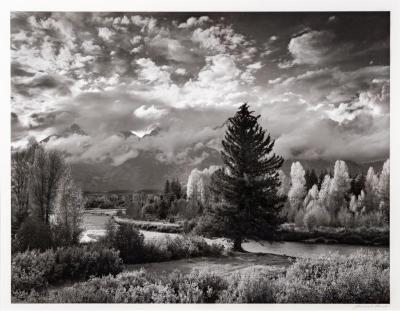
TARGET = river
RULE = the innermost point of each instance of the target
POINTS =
(94, 226)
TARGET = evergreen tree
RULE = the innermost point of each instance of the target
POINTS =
(248, 182)
(176, 188)
(167, 187)
(311, 179)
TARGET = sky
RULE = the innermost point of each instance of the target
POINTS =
(320, 82)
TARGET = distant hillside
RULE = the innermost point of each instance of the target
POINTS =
(143, 172)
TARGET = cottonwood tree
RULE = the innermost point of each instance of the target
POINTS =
(68, 211)
(21, 165)
(339, 186)
(297, 190)
(312, 195)
(248, 182)
(47, 169)
(324, 190)
(384, 189)
(199, 183)
(371, 191)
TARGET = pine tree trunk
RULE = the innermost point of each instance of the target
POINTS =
(237, 245)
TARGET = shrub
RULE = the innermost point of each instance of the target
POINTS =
(80, 263)
(197, 287)
(127, 240)
(180, 247)
(251, 287)
(208, 227)
(359, 278)
(34, 270)
(188, 226)
(33, 234)
(133, 287)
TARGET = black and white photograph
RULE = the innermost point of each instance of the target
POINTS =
(199, 157)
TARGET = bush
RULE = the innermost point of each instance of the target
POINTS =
(251, 287)
(180, 247)
(80, 263)
(33, 234)
(208, 227)
(127, 240)
(32, 270)
(197, 287)
(188, 226)
(151, 225)
(35, 270)
(133, 250)
(359, 278)
(139, 287)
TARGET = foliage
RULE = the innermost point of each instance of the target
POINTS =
(46, 172)
(198, 185)
(127, 240)
(133, 249)
(311, 178)
(341, 201)
(249, 287)
(35, 270)
(297, 191)
(68, 212)
(32, 234)
(32, 270)
(208, 226)
(249, 181)
(21, 164)
(359, 278)
(171, 248)
(284, 181)
(152, 225)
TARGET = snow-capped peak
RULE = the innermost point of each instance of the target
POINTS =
(151, 129)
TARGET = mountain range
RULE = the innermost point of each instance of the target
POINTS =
(147, 171)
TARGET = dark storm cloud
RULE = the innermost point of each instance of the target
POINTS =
(320, 80)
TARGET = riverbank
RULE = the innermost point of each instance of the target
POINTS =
(94, 223)
(157, 226)
(331, 235)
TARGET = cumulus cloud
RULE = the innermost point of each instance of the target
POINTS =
(150, 72)
(316, 47)
(150, 112)
(193, 21)
(180, 71)
(105, 33)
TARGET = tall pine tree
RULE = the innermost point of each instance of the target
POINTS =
(248, 182)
